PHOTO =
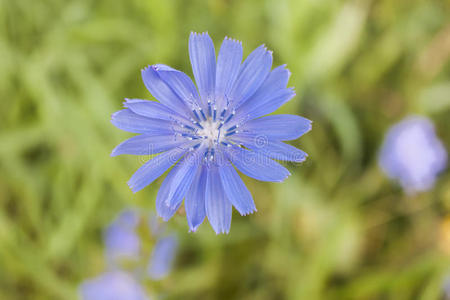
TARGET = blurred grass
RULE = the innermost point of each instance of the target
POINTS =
(337, 229)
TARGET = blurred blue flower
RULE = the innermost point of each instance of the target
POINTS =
(413, 154)
(121, 240)
(162, 257)
(123, 244)
(212, 131)
(116, 285)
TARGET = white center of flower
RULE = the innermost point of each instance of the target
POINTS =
(210, 132)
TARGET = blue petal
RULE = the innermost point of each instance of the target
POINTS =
(236, 191)
(154, 168)
(127, 120)
(162, 258)
(194, 201)
(257, 166)
(277, 79)
(163, 210)
(151, 109)
(261, 105)
(180, 83)
(148, 144)
(184, 171)
(278, 127)
(281, 151)
(162, 91)
(270, 148)
(218, 208)
(203, 61)
(269, 97)
(252, 74)
(228, 63)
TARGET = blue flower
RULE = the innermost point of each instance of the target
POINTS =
(162, 258)
(121, 240)
(413, 154)
(112, 286)
(208, 131)
(123, 245)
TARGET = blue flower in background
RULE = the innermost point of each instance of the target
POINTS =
(209, 132)
(122, 243)
(121, 240)
(116, 285)
(413, 154)
(162, 258)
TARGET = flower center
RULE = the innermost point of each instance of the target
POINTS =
(210, 128)
(210, 132)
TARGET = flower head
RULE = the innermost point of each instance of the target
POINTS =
(208, 131)
(413, 154)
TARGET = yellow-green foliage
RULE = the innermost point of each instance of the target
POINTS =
(336, 229)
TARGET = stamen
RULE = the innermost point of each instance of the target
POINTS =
(198, 124)
(223, 113)
(232, 128)
(218, 136)
(215, 113)
(231, 133)
(189, 137)
(202, 113)
(209, 108)
(188, 127)
(230, 117)
(196, 114)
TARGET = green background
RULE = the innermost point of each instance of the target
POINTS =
(336, 229)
